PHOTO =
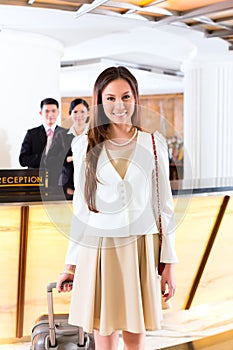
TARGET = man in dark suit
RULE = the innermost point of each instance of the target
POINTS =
(37, 141)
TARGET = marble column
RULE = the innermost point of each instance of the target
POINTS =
(29, 72)
(208, 117)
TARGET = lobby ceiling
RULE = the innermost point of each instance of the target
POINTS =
(211, 17)
(153, 38)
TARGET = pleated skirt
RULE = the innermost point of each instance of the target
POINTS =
(117, 286)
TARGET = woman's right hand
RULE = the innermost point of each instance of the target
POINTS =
(68, 276)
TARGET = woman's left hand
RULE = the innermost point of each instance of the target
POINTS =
(168, 282)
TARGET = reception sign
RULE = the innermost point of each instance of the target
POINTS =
(23, 179)
(19, 185)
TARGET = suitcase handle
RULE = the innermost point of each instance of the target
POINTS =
(52, 333)
(53, 285)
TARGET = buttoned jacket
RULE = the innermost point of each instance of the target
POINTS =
(32, 153)
(126, 206)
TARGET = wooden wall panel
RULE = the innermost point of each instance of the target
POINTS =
(164, 113)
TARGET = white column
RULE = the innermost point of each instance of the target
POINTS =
(29, 72)
(208, 118)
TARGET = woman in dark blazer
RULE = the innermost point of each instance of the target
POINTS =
(60, 151)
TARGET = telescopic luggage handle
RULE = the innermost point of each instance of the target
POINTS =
(52, 333)
(53, 285)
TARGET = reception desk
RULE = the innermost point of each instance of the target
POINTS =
(34, 239)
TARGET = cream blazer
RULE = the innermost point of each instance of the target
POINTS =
(127, 206)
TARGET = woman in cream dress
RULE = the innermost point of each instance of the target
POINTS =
(113, 252)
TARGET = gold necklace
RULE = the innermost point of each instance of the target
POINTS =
(125, 143)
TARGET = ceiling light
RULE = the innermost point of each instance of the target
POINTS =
(204, 19)
(156, 10)
(134, 16)
(156, 2)
(85, 8)
(150, 9)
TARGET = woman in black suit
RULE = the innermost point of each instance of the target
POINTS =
(60, 153)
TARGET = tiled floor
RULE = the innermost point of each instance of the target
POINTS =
(222, 341)
(179, 327)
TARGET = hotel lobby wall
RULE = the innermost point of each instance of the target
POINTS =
(49, 225)
(29, 71)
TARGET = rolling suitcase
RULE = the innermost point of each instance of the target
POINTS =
(52, 331)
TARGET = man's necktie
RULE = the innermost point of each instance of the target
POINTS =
(49, 139)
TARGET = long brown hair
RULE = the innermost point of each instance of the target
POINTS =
(99, 124)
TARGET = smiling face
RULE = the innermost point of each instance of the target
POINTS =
(118, 101)
(49, 113)
(79, 115)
